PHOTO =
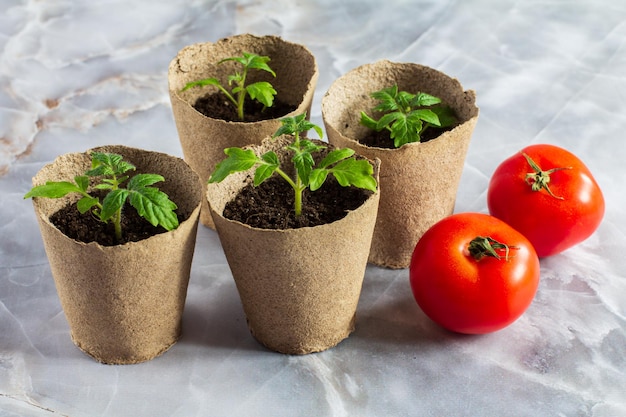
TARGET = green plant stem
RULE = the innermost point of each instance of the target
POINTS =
(298, 197)
(482, 246)
(539, 179)
(117, 219)
(117, 223)
(228, 95)
(297, 188)
(242, 94)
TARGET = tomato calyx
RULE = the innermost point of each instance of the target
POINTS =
(540, 179)
(482, 246)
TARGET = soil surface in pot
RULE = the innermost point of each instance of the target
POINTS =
(217, 106)
(87, 228)
(383, 139)
(270, 205)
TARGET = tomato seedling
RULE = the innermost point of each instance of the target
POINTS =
(407, 116)
(547, 194)
(151, 203)
(472, 273)
(341, 163)
(262, 91)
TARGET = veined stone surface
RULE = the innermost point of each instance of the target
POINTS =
(74, 75)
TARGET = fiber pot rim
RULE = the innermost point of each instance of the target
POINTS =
(400, 66)
(194, 188)
(245, 178)
(175, 67)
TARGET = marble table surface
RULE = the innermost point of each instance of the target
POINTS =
(74, 75)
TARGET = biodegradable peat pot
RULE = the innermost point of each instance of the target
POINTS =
(203, 138)
(299, 287)
(123, 303)
(418, 181)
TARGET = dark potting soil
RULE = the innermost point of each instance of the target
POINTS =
(383, 139)
(87, 228)
(270, 205)
(217, 106)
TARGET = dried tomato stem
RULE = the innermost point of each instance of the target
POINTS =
(482, 246)
(539, 179)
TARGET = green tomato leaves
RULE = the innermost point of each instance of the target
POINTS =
(53, 190)
(248, 60)
(295, 126)
(151, 203)
(261, 91)
(238, 160)
(347, 170)
(406, 115)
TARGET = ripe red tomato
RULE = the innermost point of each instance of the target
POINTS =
(556, 203)
(473, 273)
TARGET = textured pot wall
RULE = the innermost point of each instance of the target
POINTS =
(418, 181)
(299, 287)
(123, 303)
(203, 138)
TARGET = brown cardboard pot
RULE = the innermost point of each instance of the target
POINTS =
(203, 138)
(123, 303)
(418, 181)
(299, 287)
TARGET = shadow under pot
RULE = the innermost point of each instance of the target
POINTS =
(419, 180)
(299, 287)
(123, 302)
(204, 137)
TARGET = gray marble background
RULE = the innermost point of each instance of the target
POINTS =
(77, 74)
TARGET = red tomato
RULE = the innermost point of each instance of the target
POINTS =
(463, 286)
(556, 204)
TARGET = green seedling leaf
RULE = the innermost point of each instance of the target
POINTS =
(407, 115)
(335, 156)
(369, 122)
(238, 160)
(265, 170)
(302, 159)
(317, 178)
(82, 182)
(151, 203)
(291, 125)
(424, 100)
(144, 180)
(263, 92)
(404, 101)
(356, 172)
(86, 203)
(108, 164)
(297, 125)
(388, 119)
(236, 79)
(52, 189)
(304, 164)
(387, 98)
(426, 115)
(340, 162)
(112, 203)
(155, 206)
(270, 158)
(401, 131)
(446, 116)
(201, 83)
(258, 62)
